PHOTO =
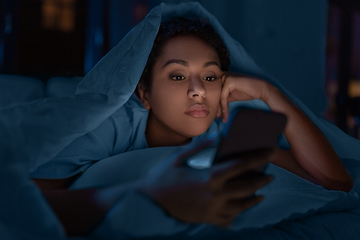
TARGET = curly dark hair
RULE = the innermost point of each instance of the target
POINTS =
(179, 27)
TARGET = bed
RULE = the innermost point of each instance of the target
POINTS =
(293, 207)
(34, 132)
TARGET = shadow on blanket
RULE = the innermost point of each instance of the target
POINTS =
(35, 132)
(288, 197)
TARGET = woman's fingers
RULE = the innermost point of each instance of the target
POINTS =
(225, 91)
(222, 172)
(228, 203)
(238, 87)
(227, 214)
(234, 207)
(242, 188)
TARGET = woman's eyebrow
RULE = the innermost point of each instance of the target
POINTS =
(178, 61)
(207, 64)
(186, 64)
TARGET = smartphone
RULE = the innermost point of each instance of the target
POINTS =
(249, 130)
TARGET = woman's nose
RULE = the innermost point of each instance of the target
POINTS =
(196, 88)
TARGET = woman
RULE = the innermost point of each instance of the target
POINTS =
(179, 182)
(196, 69)
(184, 87)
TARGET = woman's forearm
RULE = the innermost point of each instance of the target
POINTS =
(309, 147)
(80, 211)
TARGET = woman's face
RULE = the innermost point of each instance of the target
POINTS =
(185, 90)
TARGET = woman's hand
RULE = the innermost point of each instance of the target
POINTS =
(238, 87)
(214, 195)
(311, 156)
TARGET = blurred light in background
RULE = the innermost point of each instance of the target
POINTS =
(342, 79)
(58, 15)
(354, 88)
(45, 38)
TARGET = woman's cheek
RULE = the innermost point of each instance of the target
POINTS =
(214, 92)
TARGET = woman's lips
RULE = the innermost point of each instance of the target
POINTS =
(198, 111)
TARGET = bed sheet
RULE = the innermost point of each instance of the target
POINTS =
(293, 207)
(326, 225)
(33, 133)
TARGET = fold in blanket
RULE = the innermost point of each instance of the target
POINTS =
(33, 133)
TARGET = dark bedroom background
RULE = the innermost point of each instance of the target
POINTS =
(45, 38)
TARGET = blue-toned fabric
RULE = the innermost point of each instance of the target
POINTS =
(122, 132)
(15, 89)
(61, 86)
(33, 133)
(287, 197)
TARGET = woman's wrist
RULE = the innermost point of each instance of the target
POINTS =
(276, 100)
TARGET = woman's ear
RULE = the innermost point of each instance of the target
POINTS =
(143, 94)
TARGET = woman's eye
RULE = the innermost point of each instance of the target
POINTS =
(177, 77)
(210, 79)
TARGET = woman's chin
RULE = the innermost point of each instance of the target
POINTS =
(196, 131)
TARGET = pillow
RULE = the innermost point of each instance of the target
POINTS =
(16, 89)
(286, 197)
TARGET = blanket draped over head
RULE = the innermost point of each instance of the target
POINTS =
(35, 132)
